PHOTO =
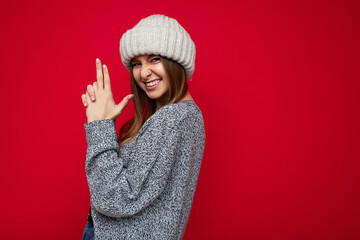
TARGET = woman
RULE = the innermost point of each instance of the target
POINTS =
(142, 186)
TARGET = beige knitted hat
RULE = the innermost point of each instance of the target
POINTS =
(159, 35)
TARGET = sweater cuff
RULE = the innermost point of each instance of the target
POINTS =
(100, 131)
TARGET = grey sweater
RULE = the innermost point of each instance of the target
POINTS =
(145, 190)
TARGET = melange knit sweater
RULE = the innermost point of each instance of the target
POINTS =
(145, 190)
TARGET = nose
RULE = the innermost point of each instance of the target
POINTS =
(145, 72)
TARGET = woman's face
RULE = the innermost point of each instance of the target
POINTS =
(149, 74)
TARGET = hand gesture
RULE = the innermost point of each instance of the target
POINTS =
(99, 100)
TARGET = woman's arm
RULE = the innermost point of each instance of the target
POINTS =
(120, 192)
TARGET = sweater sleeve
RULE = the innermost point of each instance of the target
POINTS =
(119, 191)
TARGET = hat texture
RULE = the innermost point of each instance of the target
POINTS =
(159, 35)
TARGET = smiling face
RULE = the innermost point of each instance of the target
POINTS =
(149, 73)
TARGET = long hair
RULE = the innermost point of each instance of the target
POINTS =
(145, 107)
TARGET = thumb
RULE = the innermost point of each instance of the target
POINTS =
(120, 107)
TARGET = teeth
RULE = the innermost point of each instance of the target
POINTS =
(152, 83)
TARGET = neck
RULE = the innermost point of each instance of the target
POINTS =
(187, 96)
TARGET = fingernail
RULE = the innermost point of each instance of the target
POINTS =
(104, 66)
(85, 104)
(131, 96)
(92, 98)
(97, 61)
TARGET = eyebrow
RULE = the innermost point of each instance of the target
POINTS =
(149, 56)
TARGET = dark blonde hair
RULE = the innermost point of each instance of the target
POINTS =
(145, 107)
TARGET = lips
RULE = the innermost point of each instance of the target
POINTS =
(152, 84)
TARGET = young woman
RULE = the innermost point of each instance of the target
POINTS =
(142, 186)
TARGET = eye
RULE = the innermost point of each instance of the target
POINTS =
(155, 59)
(134, 64)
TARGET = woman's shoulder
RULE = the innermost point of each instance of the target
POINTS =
(179, 111)
(181, 107)
(171, 115)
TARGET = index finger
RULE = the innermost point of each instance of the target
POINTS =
(107, 84)
(99, 74)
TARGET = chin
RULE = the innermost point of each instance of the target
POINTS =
(152, 97)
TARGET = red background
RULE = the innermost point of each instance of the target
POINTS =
(278, 85)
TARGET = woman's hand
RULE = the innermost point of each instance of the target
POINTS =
(99, 100)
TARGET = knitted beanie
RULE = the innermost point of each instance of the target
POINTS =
(159, 35)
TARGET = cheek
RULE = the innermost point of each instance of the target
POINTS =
(166, 79)
(140, 84)
(160, 69)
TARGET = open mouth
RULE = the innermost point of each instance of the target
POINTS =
(152, 84)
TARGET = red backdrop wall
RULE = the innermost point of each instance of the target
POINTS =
(278, 85)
